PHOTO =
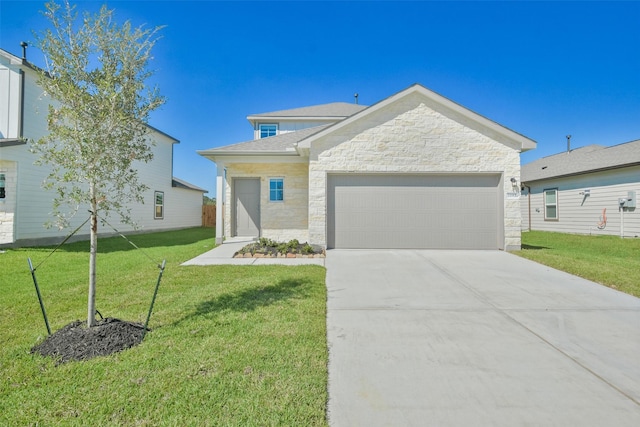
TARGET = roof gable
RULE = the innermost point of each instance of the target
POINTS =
(10, 59)
(582, 160)
(438, 103)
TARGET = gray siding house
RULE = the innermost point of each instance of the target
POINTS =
(584, 191)
(415, 170)
(25, 206)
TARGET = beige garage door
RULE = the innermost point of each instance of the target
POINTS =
(414, 211)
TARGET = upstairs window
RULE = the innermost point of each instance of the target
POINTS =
(268, 130)
(551, 204)
(158, 205)
(276, 190)
(3, 181)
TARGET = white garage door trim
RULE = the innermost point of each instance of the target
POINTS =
(415, 211)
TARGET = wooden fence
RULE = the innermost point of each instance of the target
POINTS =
(208, 215)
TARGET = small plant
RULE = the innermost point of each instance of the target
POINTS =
(266, 243)
(271, 247)
(293, 246)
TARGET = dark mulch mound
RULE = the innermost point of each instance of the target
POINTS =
(77, 342)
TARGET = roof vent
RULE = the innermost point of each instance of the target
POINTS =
(356, 97)
(568, 143)
(24, 50)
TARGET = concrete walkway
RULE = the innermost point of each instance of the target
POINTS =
(476, 338)
(223, 255)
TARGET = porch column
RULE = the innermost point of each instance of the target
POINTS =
(220, 193)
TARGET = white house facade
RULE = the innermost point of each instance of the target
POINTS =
(588, 190)
(415, 170)
(25, 206)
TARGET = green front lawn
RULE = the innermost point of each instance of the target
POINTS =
(230, 345)
(608, 260)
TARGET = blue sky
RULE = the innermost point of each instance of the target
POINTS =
(543, 69)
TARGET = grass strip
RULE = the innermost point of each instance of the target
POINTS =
(608, 260)
(230, 345)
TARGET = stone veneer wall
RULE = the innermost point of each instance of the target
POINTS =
(280, 221)
(412, 136)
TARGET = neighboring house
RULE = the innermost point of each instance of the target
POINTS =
(579, 191)
(415, 170)
(25, 206)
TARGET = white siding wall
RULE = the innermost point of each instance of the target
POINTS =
(34, 205)
(580, 214)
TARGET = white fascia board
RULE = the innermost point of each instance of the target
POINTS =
(524, 142)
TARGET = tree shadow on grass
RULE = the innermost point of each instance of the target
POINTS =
(111, 242)
(250, 299)
(533, 247)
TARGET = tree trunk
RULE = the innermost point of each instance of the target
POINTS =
(91, 306)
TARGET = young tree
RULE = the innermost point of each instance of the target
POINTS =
(95, 75)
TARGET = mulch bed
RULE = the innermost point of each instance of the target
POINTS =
(77, 342)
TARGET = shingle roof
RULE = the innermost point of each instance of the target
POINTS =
(8, 142)
(283, 143)
(582, 160)
(334, 109)
(179, 183)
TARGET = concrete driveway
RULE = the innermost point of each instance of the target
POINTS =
(476, 338)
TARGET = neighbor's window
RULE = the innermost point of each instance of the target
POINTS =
(268, 130)
(159, 205)
(276, 189)
(551, 204)
(3, 194)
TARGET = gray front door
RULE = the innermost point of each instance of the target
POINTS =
(247, 206)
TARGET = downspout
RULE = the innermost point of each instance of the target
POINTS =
(528, 202)
(21, 119)
(22, 79)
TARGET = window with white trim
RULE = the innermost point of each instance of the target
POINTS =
(551, 204)
(158, 212)
(3, 181)
(276, 189)
(267, 130)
